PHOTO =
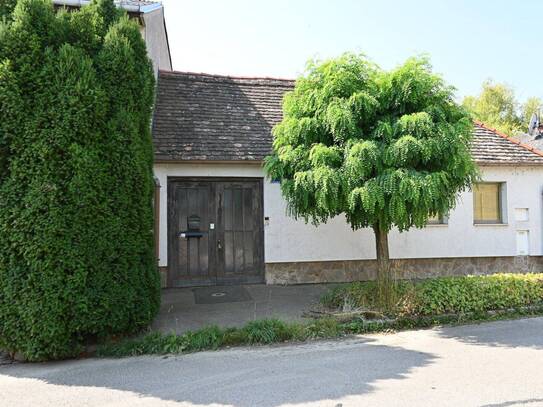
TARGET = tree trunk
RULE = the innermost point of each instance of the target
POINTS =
(384, 274)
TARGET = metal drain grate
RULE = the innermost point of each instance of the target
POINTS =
(218, 295)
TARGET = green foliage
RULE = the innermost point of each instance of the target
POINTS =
(323, 328)
(531, 106)
(76, 246)
(498, 107)
(6, 9)
(267, 331)
(447, 295)
(206, 338)
(383, 148)
(423, 304)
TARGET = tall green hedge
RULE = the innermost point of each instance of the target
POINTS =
(76, 242)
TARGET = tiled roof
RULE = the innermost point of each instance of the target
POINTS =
(492, 147)
(210, 117)
(218, 118)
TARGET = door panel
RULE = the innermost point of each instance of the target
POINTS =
(230, 253)
(191, 254)
(240, 231)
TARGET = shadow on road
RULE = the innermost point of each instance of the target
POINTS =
(265, 377)
(512, 334)
(516, 403)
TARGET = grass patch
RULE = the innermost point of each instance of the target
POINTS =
(269, 331)
(423, 304)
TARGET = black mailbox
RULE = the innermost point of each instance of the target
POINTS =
(193, 223)
(193, 228)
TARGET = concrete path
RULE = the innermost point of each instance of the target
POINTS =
(180, 313)
(493, 365)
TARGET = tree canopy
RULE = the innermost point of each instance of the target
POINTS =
(383, 148)
(497, 106)
(531, 106)
(76, 185)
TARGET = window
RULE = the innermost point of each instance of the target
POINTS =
(488, 202)
(437, 220)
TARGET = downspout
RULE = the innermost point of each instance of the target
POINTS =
(156, 216)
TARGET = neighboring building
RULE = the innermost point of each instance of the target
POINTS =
(222, 222)
(534, 140)
(150, 17)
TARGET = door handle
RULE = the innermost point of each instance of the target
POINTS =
(219, 245)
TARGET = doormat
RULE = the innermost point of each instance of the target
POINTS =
(218, 295)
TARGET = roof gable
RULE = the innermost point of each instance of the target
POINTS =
(201, 117)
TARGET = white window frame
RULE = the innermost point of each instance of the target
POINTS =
(442, 221)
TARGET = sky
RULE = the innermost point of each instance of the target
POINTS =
(467, 41)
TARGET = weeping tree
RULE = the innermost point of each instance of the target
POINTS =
(383, 148)
(76, 185)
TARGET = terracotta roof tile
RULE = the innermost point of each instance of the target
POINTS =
(492, 147)
(219, 118)
(210, 117)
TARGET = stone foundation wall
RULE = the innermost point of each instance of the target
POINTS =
(361, 270)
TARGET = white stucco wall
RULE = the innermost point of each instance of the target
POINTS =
(287, 240)
(156, 40)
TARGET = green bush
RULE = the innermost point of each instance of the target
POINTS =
(326, 328)
(267, 331)
(6, 8)
(258, 332)
(76, 246)
(322, 328)
(206, 338)
(457, 295)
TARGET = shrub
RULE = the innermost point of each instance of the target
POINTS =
(274, 331)
(466, 294)
(6, 8)
(206, 338)
(267, 331)
(323, 328)
(76, 186)
(478, 293)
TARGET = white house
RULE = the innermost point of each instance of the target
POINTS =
(220, 221)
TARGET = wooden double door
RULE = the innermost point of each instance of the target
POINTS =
(216, 233)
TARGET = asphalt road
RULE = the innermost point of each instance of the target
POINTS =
(493, 365)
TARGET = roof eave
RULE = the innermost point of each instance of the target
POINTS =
(508, 138)
(128, 7)
(508, 164)
(208, 161)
